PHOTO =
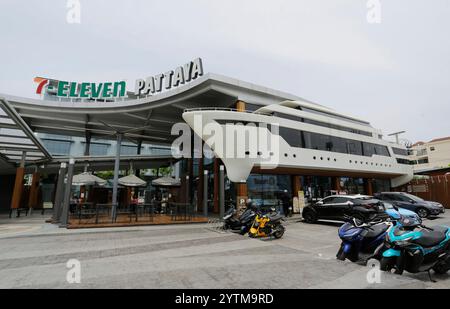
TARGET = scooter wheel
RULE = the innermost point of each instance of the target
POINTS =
(341, 254)
(279, 233)
(388, 265)
(441, 269)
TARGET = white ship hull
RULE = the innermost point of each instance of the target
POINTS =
(245, 156)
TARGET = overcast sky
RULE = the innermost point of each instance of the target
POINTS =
(395, 74)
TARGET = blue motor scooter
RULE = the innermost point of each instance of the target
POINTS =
(414, 248)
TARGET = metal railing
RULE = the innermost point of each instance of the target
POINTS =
(225, 109)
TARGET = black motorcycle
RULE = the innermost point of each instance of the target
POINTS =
(241, 224)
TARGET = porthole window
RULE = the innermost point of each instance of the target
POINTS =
(295, 156)
(247, 153)
(286, 155)
(314, 158)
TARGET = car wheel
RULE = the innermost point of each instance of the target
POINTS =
(310, 217)
(422, 212)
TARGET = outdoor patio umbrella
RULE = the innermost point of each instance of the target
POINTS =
(132, 181)
(87, 179)
(166, 182)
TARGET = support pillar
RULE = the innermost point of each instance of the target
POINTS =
(242, 195)
(59, 194)
(222, 191)
(116, 177)
(368, 186)
(240, 106)
(188, 191)
(139, 152)
(205, 193)
(34, 191)
(67, 192)
(18, 187)
(200, 184)
(296, 185)
(216, 186)
(18, 190)
(336, 183)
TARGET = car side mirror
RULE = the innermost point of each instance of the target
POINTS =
(319, 203)
(350, 203)
(412, 201)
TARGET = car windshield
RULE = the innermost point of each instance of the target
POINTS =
(413, 197)
(388, 205)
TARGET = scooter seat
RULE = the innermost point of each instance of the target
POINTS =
(432, 238)
(275, 218)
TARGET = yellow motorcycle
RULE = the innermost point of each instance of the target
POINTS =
(267, 225)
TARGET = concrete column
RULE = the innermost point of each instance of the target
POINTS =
(216, 186)
(116, 177)
(34, 191)
(222, 191)
(59, 194)
(205, 193)
(67, 192)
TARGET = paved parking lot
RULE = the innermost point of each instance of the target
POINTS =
(34, 255)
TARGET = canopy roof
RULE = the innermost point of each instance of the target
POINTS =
(150, 118)
(17, 140)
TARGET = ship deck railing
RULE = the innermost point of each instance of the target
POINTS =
(225, 109)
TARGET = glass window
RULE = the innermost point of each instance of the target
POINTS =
(269, 190)
(128, 150)
(311, 140)
(291, 136)
(57, 147)
(329, 200)
(98, 149)
(401, 152)
(342, 200)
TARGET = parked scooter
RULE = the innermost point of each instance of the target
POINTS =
(414, 248)
(242, 224)
(361, 240)
(267, 225)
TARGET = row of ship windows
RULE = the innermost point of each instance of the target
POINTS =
(311, 140)
(322, 124)
(329, 159)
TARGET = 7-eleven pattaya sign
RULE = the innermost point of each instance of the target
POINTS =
(114, 90)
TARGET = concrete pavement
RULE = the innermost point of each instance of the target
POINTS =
(34, 255)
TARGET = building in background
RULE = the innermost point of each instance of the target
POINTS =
(431, 155)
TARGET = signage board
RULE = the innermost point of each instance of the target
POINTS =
(118, 89)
